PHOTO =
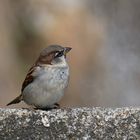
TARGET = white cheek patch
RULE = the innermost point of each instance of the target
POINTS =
(56, 54)
(60, 62)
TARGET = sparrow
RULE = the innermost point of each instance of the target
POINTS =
(46, 80)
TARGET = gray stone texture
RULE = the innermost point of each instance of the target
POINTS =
(71, 124)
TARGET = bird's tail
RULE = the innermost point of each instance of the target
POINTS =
(16, 100)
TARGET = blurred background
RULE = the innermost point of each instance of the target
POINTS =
(104, 35)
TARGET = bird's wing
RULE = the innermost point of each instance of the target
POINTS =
(31, 73)
(29, 77)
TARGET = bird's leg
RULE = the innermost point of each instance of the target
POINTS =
(55, 106)
(45, 109)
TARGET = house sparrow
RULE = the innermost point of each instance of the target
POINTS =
(46, 80)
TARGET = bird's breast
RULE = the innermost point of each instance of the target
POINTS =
(48, 87)
(54, 78)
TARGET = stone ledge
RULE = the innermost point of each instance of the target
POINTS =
(78, 123)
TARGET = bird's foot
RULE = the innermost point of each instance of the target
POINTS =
(55, 106)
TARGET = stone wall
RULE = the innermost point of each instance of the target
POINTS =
(77, 123)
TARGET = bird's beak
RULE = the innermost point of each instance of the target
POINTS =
(67, 49)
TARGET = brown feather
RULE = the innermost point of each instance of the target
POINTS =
(43, 59)
(46, 59)
(16, 100)
(29, 78)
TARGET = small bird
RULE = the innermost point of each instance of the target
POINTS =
(46, 80)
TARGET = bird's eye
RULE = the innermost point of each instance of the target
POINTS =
(59, 54)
